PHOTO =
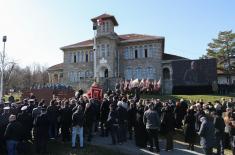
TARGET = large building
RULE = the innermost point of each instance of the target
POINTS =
(127, 56)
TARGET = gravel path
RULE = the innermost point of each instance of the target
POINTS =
(130, 148)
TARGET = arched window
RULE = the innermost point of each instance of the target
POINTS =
(103, 50)
(82, 56)
(166, 73)
(138, 73)
(78, 76)
(144, 75)
(78, 56)
(131, 53)
(128, 73)
(70, 57)
(150, 72)
(126, 53)
(91, 56)
(140, 52)
(150, 54)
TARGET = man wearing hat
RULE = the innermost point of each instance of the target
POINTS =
(26, 120)
(13, 135)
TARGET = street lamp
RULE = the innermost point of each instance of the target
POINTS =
(4, 39)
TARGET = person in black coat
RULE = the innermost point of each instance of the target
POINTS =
(66, 119)
(104, 112)
(4, 120)
(89, 115)
(27, 121)
(178, 115)
(168, 122)
(122, 122)
(42, 131)
(189, 128)
(131, 119)
(52, 112)
(141, 136)
(113, 123)
(13, 134)
(219, 131)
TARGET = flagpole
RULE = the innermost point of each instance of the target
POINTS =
(95, 55)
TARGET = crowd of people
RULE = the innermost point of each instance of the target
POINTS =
(119, 116)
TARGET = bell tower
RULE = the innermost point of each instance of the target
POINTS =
(104, 24)
(105, 46)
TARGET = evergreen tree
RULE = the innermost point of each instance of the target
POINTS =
(223, 49)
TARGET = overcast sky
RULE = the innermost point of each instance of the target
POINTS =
(36, 29)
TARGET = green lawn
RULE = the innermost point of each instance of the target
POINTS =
(59, 148)
(206, 98)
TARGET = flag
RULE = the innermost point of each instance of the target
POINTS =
(135, 83)
(142, 83)
(159, 84)
(100, 22)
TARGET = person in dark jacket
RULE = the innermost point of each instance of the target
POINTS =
(13, 135)
(4, 120)
(26, 120)
(189, 128)
(89, 115)
(77, 126)
(207, 135)
(140, 130)
(168, 121)
(219, 132)
(52, 112)
(152, 123)
(122, 122)
(66, 115)
(104, 112)
(42, 131)
(131, 119)
(113, 124)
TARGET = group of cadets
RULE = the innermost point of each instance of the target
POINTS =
(119, 116)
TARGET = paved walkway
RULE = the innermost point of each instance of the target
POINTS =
(130, 148)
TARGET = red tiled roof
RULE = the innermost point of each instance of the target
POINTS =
(137, 37)
(85, 43)
(56, 67)
(123, 38)
(106, 16)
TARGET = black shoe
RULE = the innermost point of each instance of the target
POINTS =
(151, 149)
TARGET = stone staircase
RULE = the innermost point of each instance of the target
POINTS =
(107, 83)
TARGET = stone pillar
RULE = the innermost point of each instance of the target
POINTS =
(58, 79)
(49, 75)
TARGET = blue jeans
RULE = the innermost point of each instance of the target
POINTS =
(77, 130)
(11, 147)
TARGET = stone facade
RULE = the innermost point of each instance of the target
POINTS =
(118, 57)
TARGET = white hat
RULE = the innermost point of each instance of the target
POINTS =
(6, 108)
(119, 103)
(31, 100)
(24, 108)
